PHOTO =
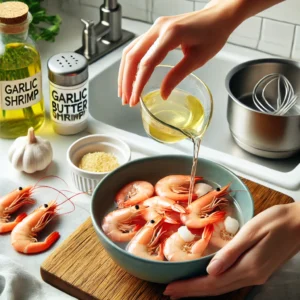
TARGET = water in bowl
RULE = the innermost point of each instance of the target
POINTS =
(233, 210)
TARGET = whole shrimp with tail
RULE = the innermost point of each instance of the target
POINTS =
(146, 243)
(10, 204)
(205, 210)
(23, 236)
(183, 248)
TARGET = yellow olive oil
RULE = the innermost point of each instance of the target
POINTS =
(181, 110)
(21, 97)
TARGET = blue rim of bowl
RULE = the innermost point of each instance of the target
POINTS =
(96, 227)
(97, 135)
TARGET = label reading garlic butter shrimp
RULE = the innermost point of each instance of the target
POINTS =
(69, 104)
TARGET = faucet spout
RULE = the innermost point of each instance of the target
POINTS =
(111, 4)
(101, 30)
(102, 38)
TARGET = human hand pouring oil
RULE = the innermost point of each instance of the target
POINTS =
(185, 114)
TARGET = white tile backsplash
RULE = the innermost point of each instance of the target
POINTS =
(248, 33)
(271, 31)
(276, 37)
(286, 11)
(95, 3)
(172, 7)
(296, 47)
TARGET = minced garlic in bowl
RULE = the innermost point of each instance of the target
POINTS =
(98, 162)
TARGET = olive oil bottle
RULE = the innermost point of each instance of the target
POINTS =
(21, 97)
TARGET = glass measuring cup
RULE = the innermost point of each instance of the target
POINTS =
(185, 114)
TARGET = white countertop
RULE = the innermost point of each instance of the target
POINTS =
(69, 40)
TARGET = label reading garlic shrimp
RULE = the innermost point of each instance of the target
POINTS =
(69, 104)
(22, 93)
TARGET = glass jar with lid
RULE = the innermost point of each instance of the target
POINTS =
(21, 96)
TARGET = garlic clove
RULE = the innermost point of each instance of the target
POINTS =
(231, 225)
(185, 234)
(202, 188)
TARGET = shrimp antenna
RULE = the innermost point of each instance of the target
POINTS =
(50, 176)
(69, 199)
(83, 208)
(52, 188)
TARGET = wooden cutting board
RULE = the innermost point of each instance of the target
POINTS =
(81, 267)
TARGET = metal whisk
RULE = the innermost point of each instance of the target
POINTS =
(286, 97)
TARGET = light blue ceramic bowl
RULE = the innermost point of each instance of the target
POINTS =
(152, 169)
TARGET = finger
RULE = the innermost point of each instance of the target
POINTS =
(204, 286)
(246, 238)
(154, 56)
(252, 268)
(233, 279)
(121, 68)
(132, 61)
(186, 66)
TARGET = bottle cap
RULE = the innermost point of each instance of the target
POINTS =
(13, 12)
(68, 69)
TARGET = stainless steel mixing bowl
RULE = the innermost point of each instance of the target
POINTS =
(257, 132)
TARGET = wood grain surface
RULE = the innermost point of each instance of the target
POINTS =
(81, 267)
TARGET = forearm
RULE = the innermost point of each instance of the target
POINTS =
(247, 8)
(237, 11)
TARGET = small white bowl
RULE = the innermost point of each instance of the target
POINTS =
(86, 181)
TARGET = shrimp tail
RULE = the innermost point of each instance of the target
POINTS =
(216, 217)
(8, 227)
(200, 246)
(170, 220)
(178, 208)
(42, 246)
(207, 232)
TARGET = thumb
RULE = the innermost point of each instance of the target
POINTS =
(186, 66)
(229, 254)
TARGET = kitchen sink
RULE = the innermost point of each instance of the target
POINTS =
(105, 106)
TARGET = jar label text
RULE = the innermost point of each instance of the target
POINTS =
(22, 93)
(69, 104)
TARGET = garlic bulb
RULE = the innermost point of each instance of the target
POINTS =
(30, 153)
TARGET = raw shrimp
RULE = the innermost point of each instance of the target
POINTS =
(159, 206)
(23, 235)
(193, 220)
(10, 204)
(203, 210)
(175, 187)
(118, 225)
(133, 193)
(146, 242)
(224, 232)
(177, 249)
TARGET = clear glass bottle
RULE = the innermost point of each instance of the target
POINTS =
(21, 97)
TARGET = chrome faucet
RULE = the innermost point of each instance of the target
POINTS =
(106, 36)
